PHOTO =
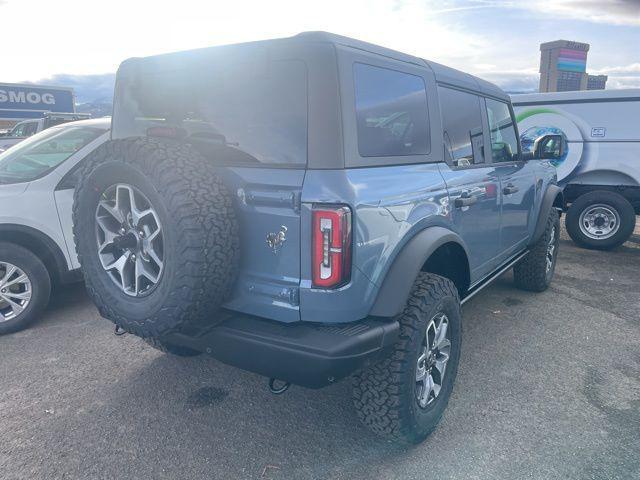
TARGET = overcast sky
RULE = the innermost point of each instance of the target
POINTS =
(63, 40)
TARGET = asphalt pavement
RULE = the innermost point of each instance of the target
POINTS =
(548, 387)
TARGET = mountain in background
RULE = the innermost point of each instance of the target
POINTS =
(94, 93)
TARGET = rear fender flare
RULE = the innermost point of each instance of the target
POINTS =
(396, 286)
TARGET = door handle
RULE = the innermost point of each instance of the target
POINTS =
(509, 189)
(464, 200)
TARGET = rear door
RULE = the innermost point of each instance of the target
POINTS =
(517, 178)
(471, 179)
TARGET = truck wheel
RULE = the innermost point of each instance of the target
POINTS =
(535, 272)
(171, 348)
(404, 396)
(25, 287)
(600, 220)
(155, 233)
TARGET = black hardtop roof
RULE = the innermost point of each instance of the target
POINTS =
(444, 75)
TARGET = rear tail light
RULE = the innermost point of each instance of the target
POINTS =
(331, 255)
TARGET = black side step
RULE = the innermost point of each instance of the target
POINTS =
(489, 280)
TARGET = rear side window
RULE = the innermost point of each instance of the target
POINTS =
(230, 113)
(391, 112)
(462, 125)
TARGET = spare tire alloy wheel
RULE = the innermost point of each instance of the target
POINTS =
(130, 240)
(15, 291)
(599, 221)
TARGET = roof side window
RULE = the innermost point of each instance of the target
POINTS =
(462, 127)
(391, 112)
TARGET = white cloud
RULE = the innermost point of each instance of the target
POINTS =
(631, 69)
(102, 34)
(616, 12)
(98, 39)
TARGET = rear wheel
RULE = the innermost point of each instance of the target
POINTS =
(600, 220)
(25, 287)
(405, 395)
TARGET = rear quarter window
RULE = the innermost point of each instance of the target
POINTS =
(391, 112)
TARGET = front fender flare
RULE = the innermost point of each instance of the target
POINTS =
(394, 292)
(548, 201)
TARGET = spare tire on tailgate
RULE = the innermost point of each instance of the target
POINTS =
(156, 235)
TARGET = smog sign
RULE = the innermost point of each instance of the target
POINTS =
(31, 101)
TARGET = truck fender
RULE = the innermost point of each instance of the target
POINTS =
(553, 198)
(396, 286)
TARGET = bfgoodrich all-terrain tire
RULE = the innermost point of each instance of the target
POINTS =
(25, 287)
(600, 220)
(404, 396)
(155, 233)
(535, 272)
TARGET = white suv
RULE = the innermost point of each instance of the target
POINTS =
(36, 196)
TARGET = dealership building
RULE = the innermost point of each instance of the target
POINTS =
(23, 101)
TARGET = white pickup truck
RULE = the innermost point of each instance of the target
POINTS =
(32, 126)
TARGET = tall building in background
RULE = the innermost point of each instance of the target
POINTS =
(563, 67)
(596, 82)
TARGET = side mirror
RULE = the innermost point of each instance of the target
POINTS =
(550, 147)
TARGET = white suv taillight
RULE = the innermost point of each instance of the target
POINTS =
(331, 254)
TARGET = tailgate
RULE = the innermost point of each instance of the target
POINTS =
(267, 202)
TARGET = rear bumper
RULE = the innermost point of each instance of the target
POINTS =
(311, 355)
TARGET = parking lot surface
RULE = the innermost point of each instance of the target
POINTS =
(548, 387)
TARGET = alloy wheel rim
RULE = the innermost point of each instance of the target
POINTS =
(15, 291)
(551, 249)
(599, 222)
(432, 362)
(130, 239)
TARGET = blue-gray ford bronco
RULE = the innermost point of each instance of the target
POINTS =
(313, 208)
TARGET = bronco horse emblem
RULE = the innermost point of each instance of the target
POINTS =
(276, 240)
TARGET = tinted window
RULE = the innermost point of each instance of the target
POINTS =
(43, 152)
(18, 130)
(391, 112)
(30, 129)
(504, 144)
(462, 125)
(231, 113)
